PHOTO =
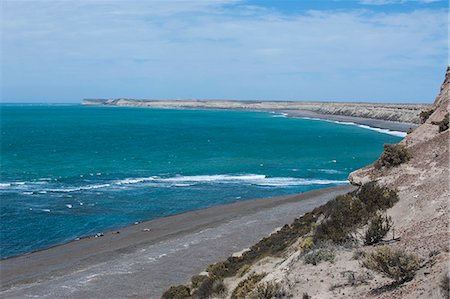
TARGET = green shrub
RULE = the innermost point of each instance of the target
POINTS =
(424, 115)
(177, 292)
(342, 216)
(393, 263)
(393, 155)
(244, 269)
(218, 287)
(409, 131)
(197, 280)
(443, 124)
(320, 255)
(268, 290)
(208, 287)
(246, 286)
(376, 197)
(379, 226)
(346, 213)
(217, 270)
(306, 244)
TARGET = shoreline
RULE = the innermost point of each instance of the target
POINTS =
(241, 223)
(371, 123)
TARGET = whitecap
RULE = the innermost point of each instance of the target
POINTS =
(279, 114)
(329, 171)
(74, 189)
(250, 179)
(379, 130)
(284, 182)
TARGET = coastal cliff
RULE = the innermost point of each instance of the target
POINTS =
(404, 113)
(291, 263)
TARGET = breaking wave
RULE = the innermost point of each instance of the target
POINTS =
(179, 181)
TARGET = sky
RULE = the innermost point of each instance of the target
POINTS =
(337, 50)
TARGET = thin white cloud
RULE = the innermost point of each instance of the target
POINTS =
(387, 2)
(210, 50)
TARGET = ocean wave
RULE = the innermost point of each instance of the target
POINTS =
(74, 189)
(275, 114)
(10, 184)
(249, 179)
(329, 171)
(180, 182)
(384, 131)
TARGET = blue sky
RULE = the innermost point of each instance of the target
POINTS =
(337, 50)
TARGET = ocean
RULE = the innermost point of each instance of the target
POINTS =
(72, 171)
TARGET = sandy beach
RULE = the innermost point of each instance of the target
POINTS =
(370, 122)
(152, 255)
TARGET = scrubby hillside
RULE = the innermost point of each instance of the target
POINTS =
(389, 239)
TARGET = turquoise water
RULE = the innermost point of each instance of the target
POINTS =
(71, 171)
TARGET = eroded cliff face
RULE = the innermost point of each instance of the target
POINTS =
(429, 148)
(420, 226)
(421, 215)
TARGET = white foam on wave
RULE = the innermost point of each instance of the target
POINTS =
(329, 171)
(275, 114)
(250, 179)
(384, 131)
(88, 187)
(186, 181)
(11, 184)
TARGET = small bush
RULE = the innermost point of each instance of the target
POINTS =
(409, 131)
(443, 124)
(244, 269)
(306, 296)
(268, 290)
(177, 292)
(343, 215)
(424, 115)
(218, 287)
(393, 263)
(208, 287)
(320, 255)
(217, 270)
(306, 244)
(379, 226)
(246, 286)
(376, 197)
(358, 254)
(197, 280)
(444, 284)
(393, 155)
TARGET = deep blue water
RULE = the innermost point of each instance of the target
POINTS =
(70, 171)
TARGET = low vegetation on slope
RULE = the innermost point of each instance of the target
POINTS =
(335, 222)
(393, 155)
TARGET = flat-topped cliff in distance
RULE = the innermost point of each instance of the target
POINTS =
(404, 113)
